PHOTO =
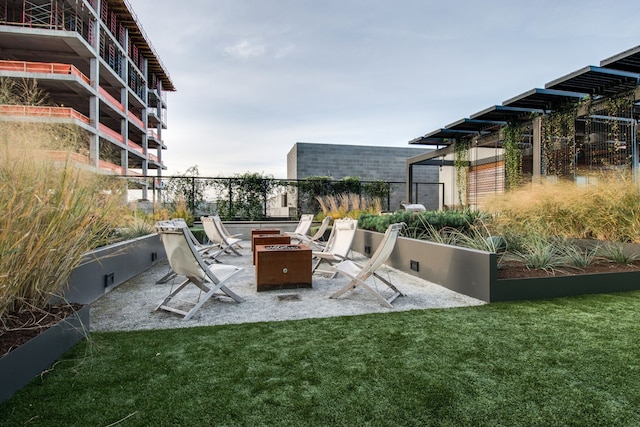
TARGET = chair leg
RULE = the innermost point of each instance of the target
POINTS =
(389, 284)
(346, 288)
(209, 292)
(232, 249)
(355, 282)
(164, 279)
(204, 299)
(169, 297)
(315, 268)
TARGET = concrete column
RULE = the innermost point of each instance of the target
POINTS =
(409, 181)
(537, 148)
(94, 112)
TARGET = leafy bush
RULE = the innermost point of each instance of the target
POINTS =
(244, 195)
(417, 221)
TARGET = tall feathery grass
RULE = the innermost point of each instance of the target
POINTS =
(608, 208)
(348, 205)
(52, 212)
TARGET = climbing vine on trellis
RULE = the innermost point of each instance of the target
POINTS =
(614, 108)
(512, 155)
(461, 164)
(609, 131)
(559, 142)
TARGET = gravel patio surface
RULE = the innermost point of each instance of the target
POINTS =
(132, 305)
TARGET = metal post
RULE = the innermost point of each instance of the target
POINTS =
(264, 198)
(634, 152)
(193, 195)
(230, 197)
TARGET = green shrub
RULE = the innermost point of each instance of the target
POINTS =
(416, 222)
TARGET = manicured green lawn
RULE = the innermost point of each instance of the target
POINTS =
(573, 361)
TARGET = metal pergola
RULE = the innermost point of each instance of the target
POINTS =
(616, 76)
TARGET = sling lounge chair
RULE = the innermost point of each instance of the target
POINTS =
(302, 229)
(213, 229)
(315, 241)
(338, 246)
(360, 273)
(208, 252)
(205, 250)
(224, 230)
(185, 260)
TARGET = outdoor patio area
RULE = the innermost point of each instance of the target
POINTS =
(132, 305)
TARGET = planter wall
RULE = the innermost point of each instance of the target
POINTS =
(23, 364)
(474, 273)
(244, 227)
(465, 271)
(104, 269)
(564, 286)
(100, 271)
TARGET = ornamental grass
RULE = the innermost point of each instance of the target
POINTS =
(348, 205)
(53, 212)
(606, 208)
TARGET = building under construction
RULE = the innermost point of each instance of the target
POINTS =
(574, 128)
(100, 72)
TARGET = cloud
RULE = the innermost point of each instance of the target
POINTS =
(246, 50)
(252, 80)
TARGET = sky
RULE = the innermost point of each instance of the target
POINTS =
(253, 77)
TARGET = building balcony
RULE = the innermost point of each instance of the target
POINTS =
(103, 165)
(47, 113)
(153, 140)
(135, 120)
(27, 67)
(154, 98)
(114, 103)
(153, 119)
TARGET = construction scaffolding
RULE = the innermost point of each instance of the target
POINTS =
(51, 15)
(113, 45)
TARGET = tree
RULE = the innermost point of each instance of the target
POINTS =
(187, 187)
(312, 187)
(377, 189)
(245, 195)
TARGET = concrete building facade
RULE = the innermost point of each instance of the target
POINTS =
(368, 163)
(100, 72)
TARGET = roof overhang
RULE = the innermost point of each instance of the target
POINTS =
(616, 75)
(543, 99)
(441, 136)
(474, 125)
(432, 158)
(462, 128)
(629, 60)
(596, 81)
(501, 113)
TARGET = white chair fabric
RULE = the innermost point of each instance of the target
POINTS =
(315, 242)
(338, 246)
(302, 229)
(208, 252)
(214, 230)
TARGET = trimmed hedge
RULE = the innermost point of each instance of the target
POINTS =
(417, 221)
